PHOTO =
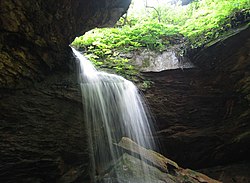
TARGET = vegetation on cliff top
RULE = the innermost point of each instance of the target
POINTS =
(157, 28)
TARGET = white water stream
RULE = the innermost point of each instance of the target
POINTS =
(113, 109)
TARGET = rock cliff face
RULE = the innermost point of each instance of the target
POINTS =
(42, 135)
(203, 114)
(41, 124)
(35, 34)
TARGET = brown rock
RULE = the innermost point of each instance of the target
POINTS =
(42, 134)
(170, 171)
(203, 114)
(153, 157)
(35, 34)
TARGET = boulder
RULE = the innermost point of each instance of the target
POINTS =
(149, 166)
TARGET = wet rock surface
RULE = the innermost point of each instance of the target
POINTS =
(151, 61)
(42, 136)
(42, 133)
(151, 156)
(203, 114)
(148, 169)
(35, 35)
(230, 173)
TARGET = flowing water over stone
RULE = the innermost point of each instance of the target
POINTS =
(113, 109)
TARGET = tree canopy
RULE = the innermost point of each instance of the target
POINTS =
(159, 27)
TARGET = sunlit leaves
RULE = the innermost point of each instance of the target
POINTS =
(199, 22)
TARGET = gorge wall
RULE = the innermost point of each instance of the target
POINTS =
(35, 34)
(41, 124)
(202, 114)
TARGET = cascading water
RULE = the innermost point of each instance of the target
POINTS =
(113, 109)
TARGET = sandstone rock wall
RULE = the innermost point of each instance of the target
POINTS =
(35, 34)
(203, 113)
(42, 133)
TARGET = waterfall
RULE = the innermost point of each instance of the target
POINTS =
(113, 109)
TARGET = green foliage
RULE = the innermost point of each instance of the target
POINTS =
(199, 22)
(149, 34)
(106, 47)
(145, 85)
(204, 20)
